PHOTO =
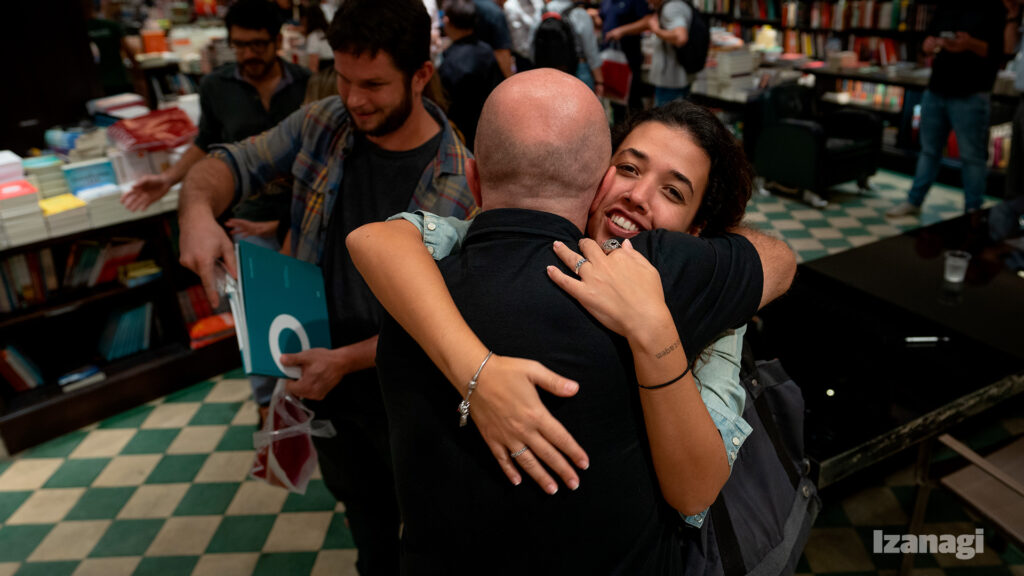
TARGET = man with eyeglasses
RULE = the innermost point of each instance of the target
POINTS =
(238, 100)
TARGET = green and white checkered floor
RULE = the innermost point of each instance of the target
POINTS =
(163, 488)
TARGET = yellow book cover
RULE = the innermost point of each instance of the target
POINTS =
(61, 203)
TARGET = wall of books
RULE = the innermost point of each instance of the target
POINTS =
(881, 32)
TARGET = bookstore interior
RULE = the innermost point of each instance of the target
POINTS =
(98, 320)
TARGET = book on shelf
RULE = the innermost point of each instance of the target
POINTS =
(80, 378)
(138, 273)
(126, 332)
(91, 263)
(279, 305)
(18, 370)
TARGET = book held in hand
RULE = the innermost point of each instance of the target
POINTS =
(280, 307)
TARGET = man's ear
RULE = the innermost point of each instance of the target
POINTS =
(422, 76)
(603, 188)
(473, 179)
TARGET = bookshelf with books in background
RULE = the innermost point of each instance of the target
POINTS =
(866, 54)
(91, 322)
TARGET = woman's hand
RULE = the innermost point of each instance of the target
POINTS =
(622, 290)
(509, 414)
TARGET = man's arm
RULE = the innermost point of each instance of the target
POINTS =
(777, 262)
(631, 29)
(676, 35)
(208, 191)
(153, 187)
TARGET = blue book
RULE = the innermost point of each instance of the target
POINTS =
(280, 307)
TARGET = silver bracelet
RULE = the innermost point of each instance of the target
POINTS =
(464, 405)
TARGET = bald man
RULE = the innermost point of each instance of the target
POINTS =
(542, 151)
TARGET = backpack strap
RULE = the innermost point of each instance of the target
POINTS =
(771, 427)
(725, 537)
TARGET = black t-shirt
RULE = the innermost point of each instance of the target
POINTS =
(459, 510)
(377, 183)
(965, 73)
(107, 35)
(468, 73)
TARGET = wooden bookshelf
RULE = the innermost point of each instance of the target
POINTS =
(61, 334)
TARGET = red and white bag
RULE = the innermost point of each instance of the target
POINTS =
(285, 455)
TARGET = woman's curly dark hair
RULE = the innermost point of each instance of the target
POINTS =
(730, 180)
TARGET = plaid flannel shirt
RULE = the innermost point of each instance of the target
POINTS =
(311, 145)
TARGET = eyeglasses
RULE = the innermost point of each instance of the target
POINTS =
(255, 45)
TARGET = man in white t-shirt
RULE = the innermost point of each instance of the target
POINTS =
(670, 23)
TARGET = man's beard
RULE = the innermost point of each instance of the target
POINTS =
(261, 72)
(396, 117)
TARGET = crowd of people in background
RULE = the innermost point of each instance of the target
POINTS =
(383, 115)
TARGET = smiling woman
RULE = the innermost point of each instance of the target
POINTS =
(674, 168)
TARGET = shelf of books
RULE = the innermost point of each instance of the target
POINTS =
(882, 32)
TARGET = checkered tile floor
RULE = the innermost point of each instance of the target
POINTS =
(162, 489)
(851, 219)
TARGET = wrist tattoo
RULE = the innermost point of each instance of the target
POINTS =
(667, 350)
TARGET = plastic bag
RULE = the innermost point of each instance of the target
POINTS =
(285, 455)
(617, 75)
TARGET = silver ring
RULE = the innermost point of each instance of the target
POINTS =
(579, 263)
(519, 452)
(610, 244)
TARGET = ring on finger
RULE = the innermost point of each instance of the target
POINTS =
(519, 452)
(579, 263)
(610, 244)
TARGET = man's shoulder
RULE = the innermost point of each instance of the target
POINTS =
(299, 74)
(220, 75)
(676, 9)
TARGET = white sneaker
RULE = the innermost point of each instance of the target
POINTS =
(903, 209)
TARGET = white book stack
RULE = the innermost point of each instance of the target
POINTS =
(10, 166)
(65, 214)
(46, 175)
(20, 215)
(105, 206)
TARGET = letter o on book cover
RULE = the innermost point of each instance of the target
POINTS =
(281, 323)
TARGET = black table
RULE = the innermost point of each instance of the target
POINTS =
(850, 334)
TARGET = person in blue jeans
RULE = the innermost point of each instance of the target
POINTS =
(967, 42)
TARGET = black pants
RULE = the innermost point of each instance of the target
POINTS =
(356, 466)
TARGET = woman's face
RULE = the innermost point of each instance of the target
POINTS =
(660, 177)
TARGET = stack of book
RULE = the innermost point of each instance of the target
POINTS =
(96, 182)
(10, 166)
(22, 220)
(46, 175)
(65, 214)
(127, 333)
(19, 372)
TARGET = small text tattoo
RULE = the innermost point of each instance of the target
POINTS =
(670, 348)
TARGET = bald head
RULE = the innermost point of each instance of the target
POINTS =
(542, 143)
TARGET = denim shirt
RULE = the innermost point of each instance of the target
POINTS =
(718, 375)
